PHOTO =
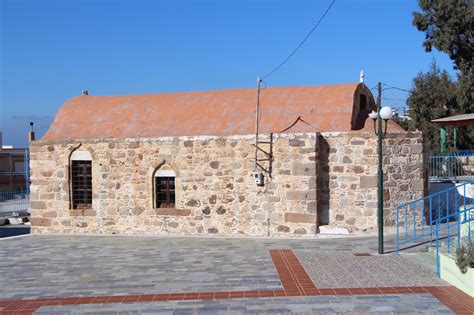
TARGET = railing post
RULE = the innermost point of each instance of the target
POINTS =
(469, 228)
(437, 167)
(464, 196)
(414, 220)
(449, 236)
(437, 251)
(423, 220)
(406, 222)
(431, 220)
(447, 204)
(459, 229)
(450, 166)
(468, 219)
(439, 209)
(397, 225)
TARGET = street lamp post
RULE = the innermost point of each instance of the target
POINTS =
(384, 114)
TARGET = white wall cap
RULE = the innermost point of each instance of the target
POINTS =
(81, 155)
(165, 173)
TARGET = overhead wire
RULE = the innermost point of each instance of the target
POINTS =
(289, 57)
(393, 99)
(390, 87)
(301, 43)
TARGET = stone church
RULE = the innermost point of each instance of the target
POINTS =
(184, 164)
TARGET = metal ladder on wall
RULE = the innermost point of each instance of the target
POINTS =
(263, 155)
(262, 147)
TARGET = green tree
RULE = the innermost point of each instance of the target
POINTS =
(449, 27)
(433, 96)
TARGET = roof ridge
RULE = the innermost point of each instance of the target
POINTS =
(227, 90)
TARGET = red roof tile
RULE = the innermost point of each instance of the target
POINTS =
(221, 113)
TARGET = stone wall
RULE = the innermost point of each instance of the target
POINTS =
(328, 178)
(215, 192)
(347, 181)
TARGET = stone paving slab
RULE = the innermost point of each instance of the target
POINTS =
(80, 266)
(65, 265)
(294, 279)
(366, 304)
(100, 268)
(345, 270)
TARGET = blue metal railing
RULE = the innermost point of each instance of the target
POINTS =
(466, 152)
(451, 166)
(14, 204)
(464, 216)
(456, 152)
(416, 219)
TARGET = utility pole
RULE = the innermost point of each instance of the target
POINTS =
(257, 118)
(380, 172)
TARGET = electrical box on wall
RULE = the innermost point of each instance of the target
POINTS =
(258, 177)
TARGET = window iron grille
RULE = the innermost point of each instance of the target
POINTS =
(81, 184)
(164, 192)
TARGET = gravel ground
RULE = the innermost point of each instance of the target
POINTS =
(330, 269)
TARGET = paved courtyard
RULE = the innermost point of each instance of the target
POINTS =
(374, 304)
(190, 275)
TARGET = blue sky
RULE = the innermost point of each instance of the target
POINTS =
(51, 50)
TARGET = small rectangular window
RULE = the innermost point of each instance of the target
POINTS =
(81, 184)
(164, 192)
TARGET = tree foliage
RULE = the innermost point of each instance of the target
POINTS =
(433, 96)
(449, 27)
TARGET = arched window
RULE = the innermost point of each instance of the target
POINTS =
(164, 189)
(81, 180)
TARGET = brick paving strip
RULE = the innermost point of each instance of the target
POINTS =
(294, 279)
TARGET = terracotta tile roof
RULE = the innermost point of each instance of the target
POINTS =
(457, 120)
(220, 113)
